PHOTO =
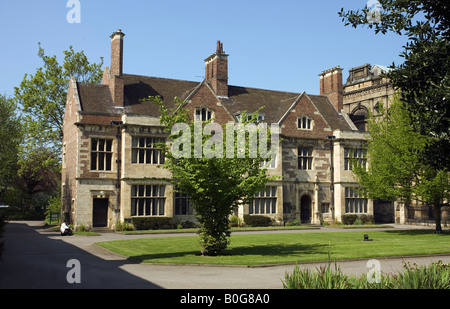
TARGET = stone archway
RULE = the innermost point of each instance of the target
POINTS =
(305, 209)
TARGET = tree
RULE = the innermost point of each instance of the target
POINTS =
(43, 96)
(11, 136)
(38, 172)
(395, 170)
(215, 183)
(423, 80)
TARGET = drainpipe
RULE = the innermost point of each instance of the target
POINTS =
(331, 138)
(118, 124)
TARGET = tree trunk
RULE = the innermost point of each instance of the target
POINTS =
(437, 217)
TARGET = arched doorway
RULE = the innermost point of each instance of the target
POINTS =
(305, 209)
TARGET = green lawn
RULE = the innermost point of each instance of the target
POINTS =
(257, 249)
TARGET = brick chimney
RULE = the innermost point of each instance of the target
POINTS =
(331, 86)
(216, 71)
(113, 76)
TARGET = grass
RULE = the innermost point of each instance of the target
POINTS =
(236, 229)
(276, 248)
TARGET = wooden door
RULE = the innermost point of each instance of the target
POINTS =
(100, 212)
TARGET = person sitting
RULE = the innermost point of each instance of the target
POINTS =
(65, 229)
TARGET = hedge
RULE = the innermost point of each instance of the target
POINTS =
(257, 220)
(152, 223)
(351, 218)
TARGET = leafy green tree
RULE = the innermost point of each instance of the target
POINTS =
(423, 80)
(11, 136)
(43, 96)
(38, 173)
(215, 184)
(395, 169)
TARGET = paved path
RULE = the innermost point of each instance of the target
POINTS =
(37, 258)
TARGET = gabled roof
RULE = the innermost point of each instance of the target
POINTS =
(334, 119)
(138, 87)
(274, 103)
(97, 99)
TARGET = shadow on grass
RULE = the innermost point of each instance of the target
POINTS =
(418, 232)
(279, 249)
(164, 256)
(270, 250)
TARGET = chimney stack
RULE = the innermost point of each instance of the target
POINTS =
(117, 53)
(216, 71)
(113, 76)
(331, 86)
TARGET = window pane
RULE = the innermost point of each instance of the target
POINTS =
(108, 161)
(141, 155)
(161, 206)
(148, 203)
(134, 153)
(133, 206)
(155, 156)
(101, 145)
(148, 157)
(93, 161)
(101, 161)
(108, 144)
(94, 144)
(141, 207)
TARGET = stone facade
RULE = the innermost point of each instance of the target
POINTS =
(364, 92)
(111, 172)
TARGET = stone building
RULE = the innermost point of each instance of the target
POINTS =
(365, 90)
(110, 171)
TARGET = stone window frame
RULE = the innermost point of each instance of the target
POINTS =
(203, 113)
(146, 149)
(354, 203)
(103, 155)
(305, 122)
(182, 204)
(148, 200)
(264, 202)
(351, 153)
(305, 159)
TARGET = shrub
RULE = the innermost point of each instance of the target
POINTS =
(82, 228)
(152, 223)
(257, 220)
(123, 226)
(367, 219)
(353, 219)
(349, 219)
(294, 222)
(188, 225)
(433, 276)
(324, 278)
(235, 221)
(358, 221)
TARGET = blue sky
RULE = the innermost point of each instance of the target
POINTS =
(279, 45)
